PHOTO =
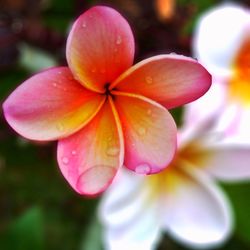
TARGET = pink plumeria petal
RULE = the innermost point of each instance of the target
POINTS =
(90, 158)
(51, 105)
(127, 224)
(150, 133)
(171, 80)
(227, 25)
(100, 47)
(199, 214)
(228, 162)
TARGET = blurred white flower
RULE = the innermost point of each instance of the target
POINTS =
(222, 44)
(183, 200)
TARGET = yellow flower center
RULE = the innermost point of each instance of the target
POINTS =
(173, 176)
(239, 85)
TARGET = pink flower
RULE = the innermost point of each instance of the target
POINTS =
(104, 112)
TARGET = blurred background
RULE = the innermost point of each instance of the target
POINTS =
(38, 209)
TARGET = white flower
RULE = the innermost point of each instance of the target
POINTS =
(222, 44)
(183, 200)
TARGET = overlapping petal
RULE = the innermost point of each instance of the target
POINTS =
(128, 225)
(90, 158)
(100, 47)
(207, 106)
(171, 80)
(228, 162)
(200, 215)
(218, 36)
(51, 105)
(149, 132)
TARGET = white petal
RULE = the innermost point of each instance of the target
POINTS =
(207, 106)
(230, 119)
(200, 216)
(236, 122)
(229, 162)
(132, 238)
(218, 36)
(130, 220)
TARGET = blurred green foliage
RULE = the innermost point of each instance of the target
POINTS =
(38, 209)
(26, 232)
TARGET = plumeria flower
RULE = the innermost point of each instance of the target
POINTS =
(183, 200)
(227, 57)
(104, 111)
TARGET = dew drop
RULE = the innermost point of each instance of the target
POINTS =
(103, 71)
(65, 160)
(73, 152)
(143, 169)
(141, 131)
(113, 151)
(54, 84)
(84, 25)
(118, 40)
(148, 79)
(93, 70)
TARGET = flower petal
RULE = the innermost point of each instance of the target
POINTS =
(51, 105)
(100, 47)
(90, 158)
(227, 34)
(207, 106)
(200, 215)
(127, 224)
(228, 162)
(171, 80)
(149, 132)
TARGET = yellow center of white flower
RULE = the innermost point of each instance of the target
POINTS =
(239, 86)
(173, 176)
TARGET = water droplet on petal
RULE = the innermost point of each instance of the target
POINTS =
(54, 84)
(84, 25)
(95, 179)
(73, 152)
(118, 40)
(113, 151)
(143, 169)
(149, 79)
(65, 160)
(103, 71)
(93, 70)
(141, 131)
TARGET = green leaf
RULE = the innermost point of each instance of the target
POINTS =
(239, 196)
(25, 233)
(177, 114)
(92, 239)
(34, 59)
